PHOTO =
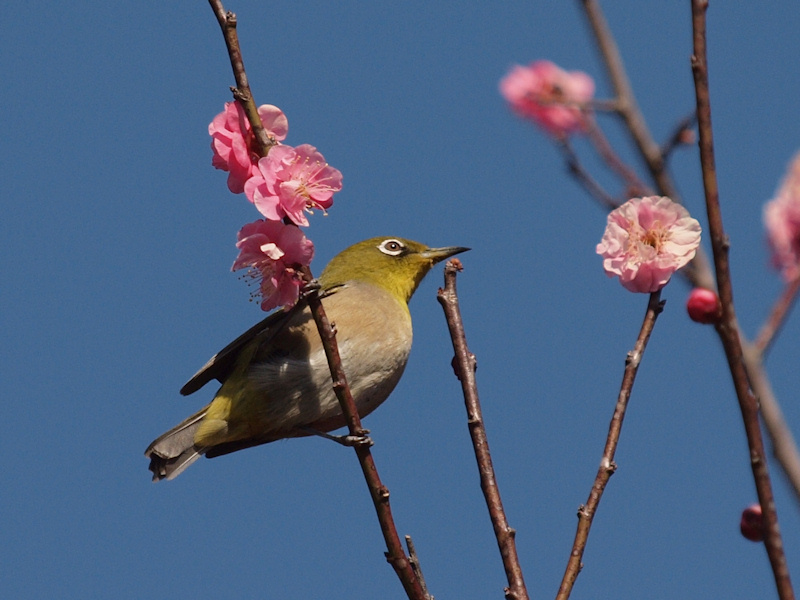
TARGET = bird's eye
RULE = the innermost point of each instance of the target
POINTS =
(392, 247)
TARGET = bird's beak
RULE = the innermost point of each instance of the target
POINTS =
(439, 254)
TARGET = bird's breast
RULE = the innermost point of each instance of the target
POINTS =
(374, 334)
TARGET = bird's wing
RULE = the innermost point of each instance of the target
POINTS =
(221, 365)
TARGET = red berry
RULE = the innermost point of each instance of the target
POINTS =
(703, 306)
(752, 524)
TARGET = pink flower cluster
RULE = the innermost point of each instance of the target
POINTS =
(782, 221)
(286, 184)
(646, 240)
(549, 96)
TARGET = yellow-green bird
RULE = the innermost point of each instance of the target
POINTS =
(275, 378)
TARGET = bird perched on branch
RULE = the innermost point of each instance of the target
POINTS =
(275, 378)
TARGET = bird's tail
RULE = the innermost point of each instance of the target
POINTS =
(171, 453)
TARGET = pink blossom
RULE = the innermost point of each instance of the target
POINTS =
(292, 181)
(272, 251)
(549, 96)
(234, 144)
(782, 221)
(646, 241)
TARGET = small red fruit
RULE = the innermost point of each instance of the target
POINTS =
(752, 524)
(703, 306)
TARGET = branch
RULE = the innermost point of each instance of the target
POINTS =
(590, 184)
(380, 494)
(727, 328)
(784, 448)
(465, 365)
(607, 467)
(682, 135)
(777, 316)
(227, 22)
(634, 186)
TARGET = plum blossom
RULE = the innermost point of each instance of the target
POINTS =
(646, 240)
(234, 143)
(291, 181)
(271, 251)
(782, 221)
(549, 96)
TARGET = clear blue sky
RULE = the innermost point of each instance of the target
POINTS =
(117, 239)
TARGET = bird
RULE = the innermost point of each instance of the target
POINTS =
(275, 379)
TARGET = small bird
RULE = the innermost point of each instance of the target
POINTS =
(275, 378)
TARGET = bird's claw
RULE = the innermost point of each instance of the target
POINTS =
(360, 440)
(311, 287)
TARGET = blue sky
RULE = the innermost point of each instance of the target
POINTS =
(117, 241)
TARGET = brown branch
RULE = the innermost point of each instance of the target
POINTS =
(465, 364)
(682, 135)
(698, 272)
(415, 564)
(634, 186)
(784, 447)
(577, 170)
(626, 104)
(777, 316)
(395, 554)
(379, 493)
(607, 467)
(227, 22)
(727, 328)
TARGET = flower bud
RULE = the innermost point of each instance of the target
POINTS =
(703, 306)
(752, 524)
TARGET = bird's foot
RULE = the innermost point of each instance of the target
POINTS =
(345, 440)
(312, 287)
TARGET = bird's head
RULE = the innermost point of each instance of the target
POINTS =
(395, 264)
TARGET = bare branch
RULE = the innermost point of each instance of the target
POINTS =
(777, 316)
(607, 467)
(727, 328)
(465, 364)
(242, 94)
(682, 135)
(577, 170)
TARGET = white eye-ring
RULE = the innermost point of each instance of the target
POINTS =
(392, 247)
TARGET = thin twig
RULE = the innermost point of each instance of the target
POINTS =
(577, 170)
(777, 316)
(607, 466)
(784, 447)
(465, 369)
(679, 136)
(242, 93)
(380, 494)
(627, 107)
(727, 328)
(415, 564)
(634, 186)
